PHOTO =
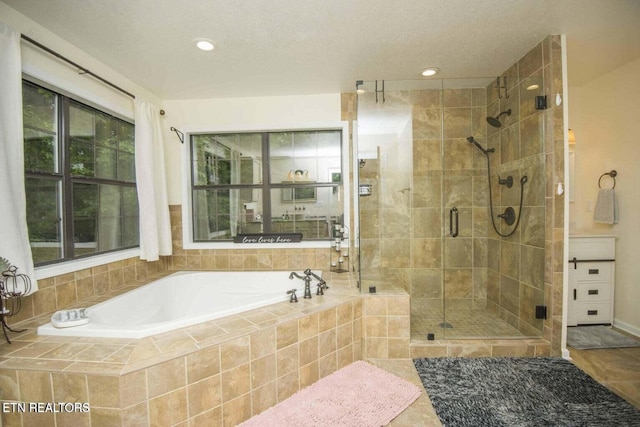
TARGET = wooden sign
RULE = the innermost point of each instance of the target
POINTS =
(268, 238)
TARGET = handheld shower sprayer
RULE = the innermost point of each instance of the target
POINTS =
(472, 140)
(495, 121)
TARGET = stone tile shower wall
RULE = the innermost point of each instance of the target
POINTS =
(528, 270)
(516, 263)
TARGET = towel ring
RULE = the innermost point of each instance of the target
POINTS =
(612, 174)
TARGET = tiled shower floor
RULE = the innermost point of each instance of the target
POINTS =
(461, 324)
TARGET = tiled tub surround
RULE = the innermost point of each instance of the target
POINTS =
(215, 373)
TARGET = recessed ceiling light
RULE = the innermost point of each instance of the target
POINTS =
(204, 44)
(431, 71)
(532, 87)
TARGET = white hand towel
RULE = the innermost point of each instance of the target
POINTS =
(606, 209)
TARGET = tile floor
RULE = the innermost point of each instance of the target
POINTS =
(461, 323)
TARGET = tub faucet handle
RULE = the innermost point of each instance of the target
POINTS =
(293, 297)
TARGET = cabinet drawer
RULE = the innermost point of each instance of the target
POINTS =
(594, 271)
(594, 312)
(592, 247)
(593, 292)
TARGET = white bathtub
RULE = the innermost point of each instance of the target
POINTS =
(179, 300)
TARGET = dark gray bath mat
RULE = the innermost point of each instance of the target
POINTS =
(590, 337)
(528, 392)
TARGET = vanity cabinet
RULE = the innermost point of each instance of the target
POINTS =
(591, 280)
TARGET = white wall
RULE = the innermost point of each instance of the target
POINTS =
(605, 116)
(238, 114)
(45, 67)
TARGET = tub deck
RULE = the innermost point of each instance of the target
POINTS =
(112, 356)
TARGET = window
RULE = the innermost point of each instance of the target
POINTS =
(79, 177)
(266, 182)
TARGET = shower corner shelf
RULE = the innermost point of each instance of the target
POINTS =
(338, 252)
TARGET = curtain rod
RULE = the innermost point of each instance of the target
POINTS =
(68, 61)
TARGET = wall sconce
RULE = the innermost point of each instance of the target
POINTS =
(572, 137)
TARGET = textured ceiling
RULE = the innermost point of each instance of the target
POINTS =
(289, 47)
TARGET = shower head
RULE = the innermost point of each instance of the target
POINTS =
(472, 140)
(495, 121)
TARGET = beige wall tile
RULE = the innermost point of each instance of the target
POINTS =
(35, 386)
(168, 409)
(103, 391)
(398, 348)
(236, 382)
(327, 319)
(327, 364)
(309, 350)
(376, 348)
(345, 356)
(69, 388)
(166, 376)
(204, 395)
(327, 342)
(345, 313)
(309, 374)
(136, 415)
(39, 419)
(264, 397)
(75, 419)
(263, 343)
(66, 294)
(308, 326)
(263, 370)
(9, 385)
(286, 334)
(399, 326)
(237, 410)
(287, 385)
(344, 335)
(235, 353)
(375, 326)
(133, 388)
(287, 360)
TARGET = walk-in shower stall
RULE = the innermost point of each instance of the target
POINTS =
(452, 207)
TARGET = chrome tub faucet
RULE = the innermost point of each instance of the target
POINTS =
(307, 283)
(322, 285)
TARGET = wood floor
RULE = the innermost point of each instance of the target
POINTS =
(618, 369)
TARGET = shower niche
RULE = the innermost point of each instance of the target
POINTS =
(443, 225)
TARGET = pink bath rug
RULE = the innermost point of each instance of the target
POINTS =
(358, 395)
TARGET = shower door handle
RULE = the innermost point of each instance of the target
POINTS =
(453, 215)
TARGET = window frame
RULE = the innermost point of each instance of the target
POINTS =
(188, 241)
(70, 260)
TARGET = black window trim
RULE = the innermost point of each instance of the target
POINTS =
(63, 175)
(266, 185)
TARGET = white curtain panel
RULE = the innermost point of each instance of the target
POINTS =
(155, 225)
(14, 237)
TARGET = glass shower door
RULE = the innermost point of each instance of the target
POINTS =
(464, 204)
(424, 150)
